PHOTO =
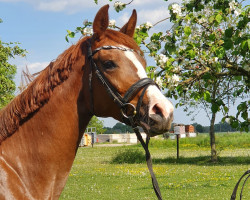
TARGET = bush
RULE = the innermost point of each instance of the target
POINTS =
(129, 156)
(223, 140)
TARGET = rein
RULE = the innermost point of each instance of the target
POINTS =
(233, 196)
(129, 113)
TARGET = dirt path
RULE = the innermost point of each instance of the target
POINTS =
(111, 145)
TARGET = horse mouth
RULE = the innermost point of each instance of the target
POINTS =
(156, 124)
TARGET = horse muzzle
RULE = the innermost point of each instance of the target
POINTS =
(157, 125)
(160, 117)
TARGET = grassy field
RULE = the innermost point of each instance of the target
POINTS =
(121, 173)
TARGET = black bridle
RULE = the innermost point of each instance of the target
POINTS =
(130, 113)
(122, 102)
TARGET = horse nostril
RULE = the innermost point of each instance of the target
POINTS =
(157, 109)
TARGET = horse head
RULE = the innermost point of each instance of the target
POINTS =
(118, 81)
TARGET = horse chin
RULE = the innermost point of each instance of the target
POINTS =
(157, 125)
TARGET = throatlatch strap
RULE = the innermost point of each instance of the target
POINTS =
(233, 196)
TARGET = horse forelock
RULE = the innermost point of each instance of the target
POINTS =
(38, 92)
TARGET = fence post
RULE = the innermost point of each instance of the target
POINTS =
(177, 146)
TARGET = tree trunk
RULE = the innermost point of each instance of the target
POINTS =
(212, 139)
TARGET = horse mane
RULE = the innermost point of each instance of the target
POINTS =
(39, 91)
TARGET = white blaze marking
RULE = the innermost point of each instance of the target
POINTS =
(140, 69)
(153, 93)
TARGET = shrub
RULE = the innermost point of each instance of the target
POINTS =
(129, 156)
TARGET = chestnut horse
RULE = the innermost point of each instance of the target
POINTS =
(41, 128)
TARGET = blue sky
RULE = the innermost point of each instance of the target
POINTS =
(40, 26)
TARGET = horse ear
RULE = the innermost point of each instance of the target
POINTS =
(101, 20)
(129, 27)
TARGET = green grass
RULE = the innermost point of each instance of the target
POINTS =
(121, 173)
(223, 140)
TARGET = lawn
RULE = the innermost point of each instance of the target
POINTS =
(121, 173)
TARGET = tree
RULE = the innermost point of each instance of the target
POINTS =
(223, 127)
(198, 127)
(98, 124)
(203, 59)
(119, 128)
(122, 128)
(7, 70)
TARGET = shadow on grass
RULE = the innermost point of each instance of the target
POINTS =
(204, 160)
(135, 156)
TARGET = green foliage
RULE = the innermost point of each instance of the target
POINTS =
(7, 70)
(187, 30)
(198, 128)
(141, 34)
(129, 156)
(84, 30)
(98, 124)
(119, 128)
(122, 128)
(223, 141)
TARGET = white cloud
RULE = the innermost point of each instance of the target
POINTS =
(37, 66)
(153, 15)
(123, 19)
(148, 15)
(73, 6)
(32, 68)
(68, 6)
(147, 11)
(53, 5)
(10, 1)
(154, 3)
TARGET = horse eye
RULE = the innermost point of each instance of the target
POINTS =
(109, 64)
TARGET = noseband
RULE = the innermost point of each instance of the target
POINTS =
(130, 114)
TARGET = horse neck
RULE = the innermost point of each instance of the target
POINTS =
(65, 114)
(48, 139)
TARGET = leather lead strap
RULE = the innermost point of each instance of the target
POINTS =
(233, 196)
(148, 159)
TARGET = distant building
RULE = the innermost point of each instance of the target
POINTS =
(119, 138)
(183, 131)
